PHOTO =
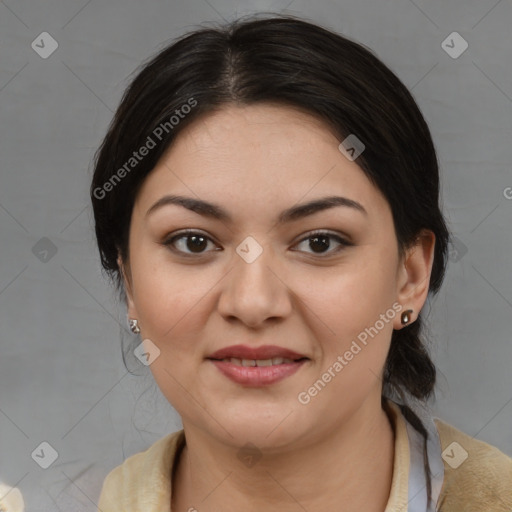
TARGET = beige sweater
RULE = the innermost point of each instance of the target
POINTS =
(482, 482)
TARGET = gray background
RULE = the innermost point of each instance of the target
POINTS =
(62, 379)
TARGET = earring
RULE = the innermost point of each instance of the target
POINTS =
(406, 318)
(134, 325)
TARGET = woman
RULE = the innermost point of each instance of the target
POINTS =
(267, 202)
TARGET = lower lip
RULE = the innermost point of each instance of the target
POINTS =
(256, 376)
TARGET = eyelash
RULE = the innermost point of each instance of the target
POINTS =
(188, 233)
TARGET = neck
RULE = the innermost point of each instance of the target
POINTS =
(352, 466)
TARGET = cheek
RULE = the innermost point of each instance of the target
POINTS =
(352, 296)
(351, 314)
(170, 299)
(174, 305)
(357, 324)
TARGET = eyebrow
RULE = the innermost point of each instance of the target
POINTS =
(291, 214)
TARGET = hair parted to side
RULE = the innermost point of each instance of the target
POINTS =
(288, 61)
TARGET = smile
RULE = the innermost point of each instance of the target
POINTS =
(258, 362)
(257, 372)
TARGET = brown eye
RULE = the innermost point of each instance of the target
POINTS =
(321, 242)
(189, 243)
(196, 243)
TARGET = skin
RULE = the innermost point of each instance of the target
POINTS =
(256, 161)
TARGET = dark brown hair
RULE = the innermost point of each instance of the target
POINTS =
(286, 60)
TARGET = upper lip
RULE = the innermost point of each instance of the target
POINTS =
(263, 352)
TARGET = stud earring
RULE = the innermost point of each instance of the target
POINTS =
(134, 325)
(406, 318)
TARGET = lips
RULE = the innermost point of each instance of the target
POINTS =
(264, 352)
(257, 367)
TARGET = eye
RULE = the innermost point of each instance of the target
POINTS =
(190, 243)
(320, 242)
(193, 241)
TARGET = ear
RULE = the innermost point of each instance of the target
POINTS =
(126, 273)
(414, 273)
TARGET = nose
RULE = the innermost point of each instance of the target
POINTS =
(255, 293)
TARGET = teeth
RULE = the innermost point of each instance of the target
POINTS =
(264, 362)
(258, 362)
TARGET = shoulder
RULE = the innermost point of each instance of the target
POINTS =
(478, 476)
(142, 480)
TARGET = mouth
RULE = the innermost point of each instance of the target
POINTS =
(264, 353)
(248, 363)
(256, 367)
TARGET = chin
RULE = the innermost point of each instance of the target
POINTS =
(264, 436)
(265, 426)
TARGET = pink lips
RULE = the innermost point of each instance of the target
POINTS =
(263, 352)
(256, 376)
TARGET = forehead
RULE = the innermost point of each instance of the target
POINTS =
(262, 154)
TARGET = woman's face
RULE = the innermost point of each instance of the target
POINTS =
(257, 276)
